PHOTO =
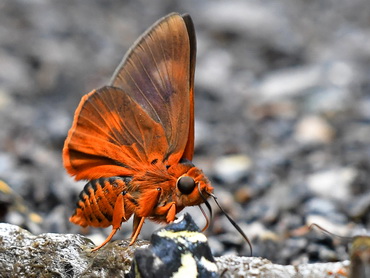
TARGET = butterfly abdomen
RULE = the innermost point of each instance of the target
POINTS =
(97, 200)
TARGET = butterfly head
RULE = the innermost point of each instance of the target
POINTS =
(190, 185)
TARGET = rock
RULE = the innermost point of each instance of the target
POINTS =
(333, 184)
(234, 266)
(327, 100)
(364, 108)
(294, 247)
(23, 254)
(276, 200)
(360, 208)
(14, 210)
(248, 19)
(325, 208)
(242, 195)
(314, 130)
(288, 82)
(212, 72)
(55, 255)
(232, 168)
(177, 250)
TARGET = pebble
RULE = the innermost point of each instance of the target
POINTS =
(327, 100)
(364, 108)
(325, 208)
(332, 183)
(242, 195)
(232, 168)
(288, 82)
(248, 20)
(314, 130)
(361, 206)
(213, 70)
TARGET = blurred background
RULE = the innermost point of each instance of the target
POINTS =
(282, 114)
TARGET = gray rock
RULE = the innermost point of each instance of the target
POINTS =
(289, 82)
(23, 254)
(55, 255)
(232, 168)
(234, 266)
(333, 183)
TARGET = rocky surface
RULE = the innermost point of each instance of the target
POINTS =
(23, 254)
(282, 114)
(53, 255)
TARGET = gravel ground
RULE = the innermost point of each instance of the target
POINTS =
(282, 114)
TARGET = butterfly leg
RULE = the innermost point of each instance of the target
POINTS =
(169, 210)
(138, 224)
(148, 201)
(118, 215)
(106, 240)
(171, 214)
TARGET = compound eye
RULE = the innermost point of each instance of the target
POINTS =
(186, 184)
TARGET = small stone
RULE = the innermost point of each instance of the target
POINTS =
(63, 255)
(242, 195)
(333, 184)
(327, 100)
(6, 99)
(360, 207)
(288, 82)
(364, 108)
(314, 129)
(325, 208)
(258, 230)
(320, 206)
(232, 168)
(341, 73)
(213, 70)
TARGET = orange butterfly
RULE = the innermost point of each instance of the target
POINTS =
(134, 139)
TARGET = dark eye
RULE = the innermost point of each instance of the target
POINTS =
(186, 184)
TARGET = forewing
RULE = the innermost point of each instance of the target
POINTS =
(111, 135)
(158, 74)
(189, 149)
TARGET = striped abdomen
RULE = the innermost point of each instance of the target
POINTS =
(97, 200)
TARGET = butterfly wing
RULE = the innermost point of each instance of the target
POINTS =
(111, 136)
(189, 149)
(146, 114)
(158, 73)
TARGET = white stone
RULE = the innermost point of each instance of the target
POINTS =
(333, 183)
(313, 129)
(231, 167)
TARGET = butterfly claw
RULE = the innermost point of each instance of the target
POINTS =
(113, 232)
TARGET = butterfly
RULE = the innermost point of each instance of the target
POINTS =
(133, 140)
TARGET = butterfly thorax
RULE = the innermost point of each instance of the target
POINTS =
(157, 188)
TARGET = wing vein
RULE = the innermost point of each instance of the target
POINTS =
(141, 91)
